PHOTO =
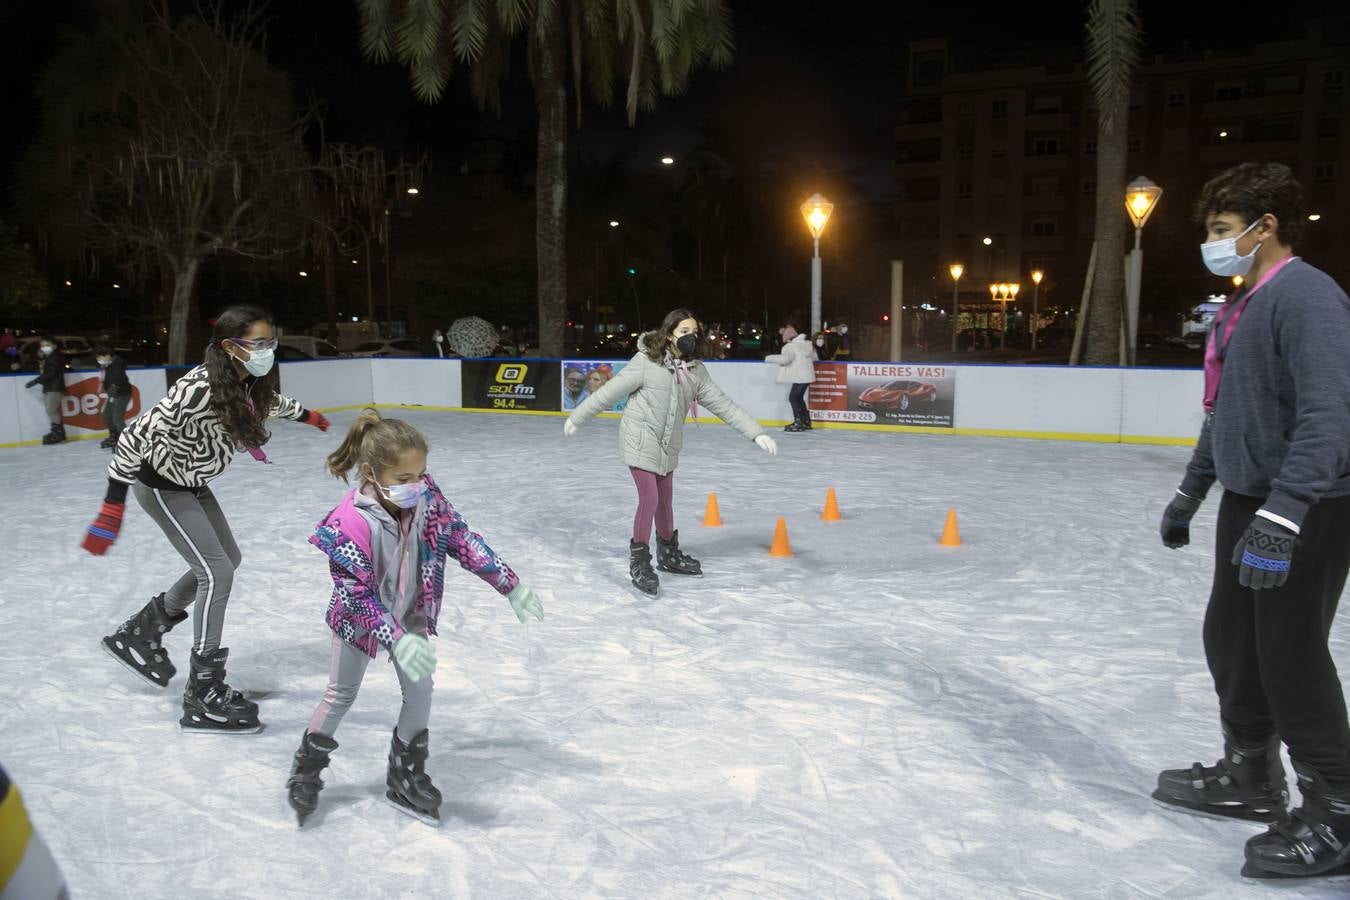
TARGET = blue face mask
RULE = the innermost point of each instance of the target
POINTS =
(1221, 256)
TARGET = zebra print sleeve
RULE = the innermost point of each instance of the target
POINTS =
(284, 407)
(163, 426)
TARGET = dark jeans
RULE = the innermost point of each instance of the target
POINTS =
(114, 414)
(797, 397)
(1267, 650)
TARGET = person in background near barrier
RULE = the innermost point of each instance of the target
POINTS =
(843, 347)
(52, 377)
(574, 387)
(9, 349)
(1277, 437)
(664, 382)
(167, 458)
(797, 367)
(27, 869)
(387, 542)
(116, 387)
(438, 343)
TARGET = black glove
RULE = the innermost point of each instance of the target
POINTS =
(1176, 521)
(31, 383)
(1263, 554)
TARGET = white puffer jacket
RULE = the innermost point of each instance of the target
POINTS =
(796, 361)
(651, 429)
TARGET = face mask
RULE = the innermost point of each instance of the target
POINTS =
(404, 496)
(686, 344)
(104, 362)
(1221, 257)
(47, 350)
(843, 329)
(820, 342)
(439, 338)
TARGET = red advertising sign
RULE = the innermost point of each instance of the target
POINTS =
(82, 406)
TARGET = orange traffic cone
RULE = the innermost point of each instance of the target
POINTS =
(780, 545)
(712, 518)
(831, 513)
(951, 534)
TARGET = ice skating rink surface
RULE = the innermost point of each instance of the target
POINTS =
(876, 716)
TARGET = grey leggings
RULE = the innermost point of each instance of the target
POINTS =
(114, 414)
(346, 670)
(51, 402)
(195, 525)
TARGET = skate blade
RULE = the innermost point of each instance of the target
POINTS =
(681, 574)
(1220, 813)
(407, 810)
(218, 729)
(131, 668)
(1250, 870)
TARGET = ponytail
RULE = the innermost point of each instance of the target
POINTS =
(374, 440)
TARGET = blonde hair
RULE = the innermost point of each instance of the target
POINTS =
(376, 441)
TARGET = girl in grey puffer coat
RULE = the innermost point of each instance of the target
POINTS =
(664, 382)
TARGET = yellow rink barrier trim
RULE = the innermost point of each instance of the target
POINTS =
(1083, 437)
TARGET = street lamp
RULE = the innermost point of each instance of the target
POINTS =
(667, 160)
(1141, 198)
(1036, 277)
(956, 269)
(1004, 293)
(816, 211)
(613, 223)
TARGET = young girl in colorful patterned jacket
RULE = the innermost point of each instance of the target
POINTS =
(386, 544)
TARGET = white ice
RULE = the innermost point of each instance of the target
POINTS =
(876, 716)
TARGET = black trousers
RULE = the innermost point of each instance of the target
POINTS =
(1267, 650)
(797, 397)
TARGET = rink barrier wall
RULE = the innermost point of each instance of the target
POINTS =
(1106, 405)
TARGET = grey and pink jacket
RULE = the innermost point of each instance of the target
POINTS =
(357, 612)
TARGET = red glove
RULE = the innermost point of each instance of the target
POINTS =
(103, 532)
(315, 418)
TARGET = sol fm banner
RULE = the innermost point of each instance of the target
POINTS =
(884, 394)
(511, 384)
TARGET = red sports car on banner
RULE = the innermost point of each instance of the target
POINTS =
(894, 396)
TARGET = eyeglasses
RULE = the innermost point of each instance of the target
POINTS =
(259, 344)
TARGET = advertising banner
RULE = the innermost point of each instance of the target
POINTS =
(511, 384)
(581, 379)
(82, 405)
(884, 394)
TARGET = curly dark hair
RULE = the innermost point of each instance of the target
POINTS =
(241, 405)
(1251, 190)
(656, 343)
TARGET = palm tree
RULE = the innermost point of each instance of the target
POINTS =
(1114, 36)
(655, 44)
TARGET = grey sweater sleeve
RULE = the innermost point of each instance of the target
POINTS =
(1313, 336)
(1200, 473)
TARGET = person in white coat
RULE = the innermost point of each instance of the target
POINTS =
(664, 383)
(796, 366)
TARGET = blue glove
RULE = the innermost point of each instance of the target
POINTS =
(524, 601)
(1176, 521)
(1263, 554)
(415, 655)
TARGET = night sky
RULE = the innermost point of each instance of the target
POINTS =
(816, 82)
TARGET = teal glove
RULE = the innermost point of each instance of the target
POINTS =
(415, 655)
(524, 601)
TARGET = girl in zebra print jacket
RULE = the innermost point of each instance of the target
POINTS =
(167, 458)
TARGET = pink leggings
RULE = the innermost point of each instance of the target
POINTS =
(653, 500)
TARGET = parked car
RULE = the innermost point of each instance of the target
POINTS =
(894, 396)
(78, 351)
(391, 347)
(305, 346)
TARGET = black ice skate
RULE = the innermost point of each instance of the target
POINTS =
(56, 436)
(109, 442)
(209, 704)
(304, 784)
(669, 557)
(1314, 841)
(640, 568)
(136, 642)
(1248, 783)
(409, 788)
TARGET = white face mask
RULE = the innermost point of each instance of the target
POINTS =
(843, 329)
(47, 349)
(104, 362)
(404, 496)
(820, 342)
(1221, 257)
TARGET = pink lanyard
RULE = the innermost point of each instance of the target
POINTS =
(1216, 347)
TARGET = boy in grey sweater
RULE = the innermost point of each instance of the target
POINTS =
(1277, 437)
